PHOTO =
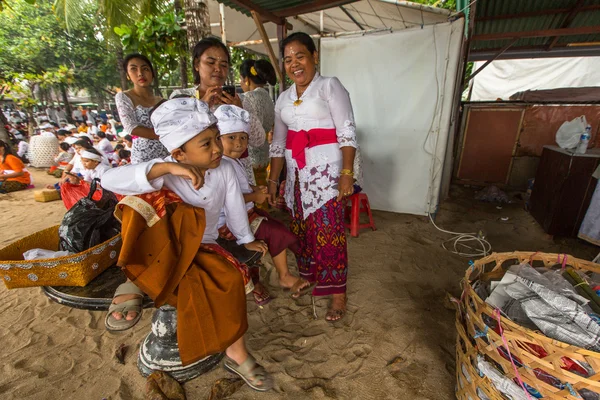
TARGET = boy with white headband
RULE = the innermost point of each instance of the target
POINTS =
(93, 167)
(203, 185)
(234, 127)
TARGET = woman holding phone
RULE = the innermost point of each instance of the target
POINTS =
(211, 62)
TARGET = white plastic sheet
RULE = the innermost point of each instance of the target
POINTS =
(503, 78)
(401, 86)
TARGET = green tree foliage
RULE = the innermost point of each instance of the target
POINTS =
(159, 38)
(34, 41)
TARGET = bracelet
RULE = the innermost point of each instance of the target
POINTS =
(272, 181)
(346, 172)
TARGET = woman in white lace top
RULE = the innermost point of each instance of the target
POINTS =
(211, 62)
(315, 133)
(134, 107)
(255, 75)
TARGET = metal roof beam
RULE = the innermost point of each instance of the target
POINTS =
(352, 18)
(594, 7)
(311, 6)
(567, 22)
(587, 30)
(249, 6)
(536, 52)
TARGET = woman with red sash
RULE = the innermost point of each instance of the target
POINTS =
(315, 133)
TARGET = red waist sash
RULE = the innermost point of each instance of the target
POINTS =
(299, 141)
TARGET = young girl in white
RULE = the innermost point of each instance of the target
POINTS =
(234, 127)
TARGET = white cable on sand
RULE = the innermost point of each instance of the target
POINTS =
(459, 239)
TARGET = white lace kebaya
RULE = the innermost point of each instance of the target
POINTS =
(325, 104)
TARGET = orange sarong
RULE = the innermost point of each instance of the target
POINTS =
(163, 255)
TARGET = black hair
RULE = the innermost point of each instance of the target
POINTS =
(200, 48)
(142, 57)
(128, 138)
(124, 154)
(265, 73)
(101, 135)
(64, 146)
(85, 142)
(7, 150)
(119, 147)
(301, 38)
(63, 132)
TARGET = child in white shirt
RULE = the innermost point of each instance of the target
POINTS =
(234, 127)
(93, 168)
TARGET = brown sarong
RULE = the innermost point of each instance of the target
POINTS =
(165, 258)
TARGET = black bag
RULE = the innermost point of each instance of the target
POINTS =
(89, 223)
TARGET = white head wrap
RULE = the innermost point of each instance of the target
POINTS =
(178, 120)
(232, 119)
(90, 156)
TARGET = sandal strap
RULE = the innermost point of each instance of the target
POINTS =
(126, 306)
(128, 288)
(252, 370)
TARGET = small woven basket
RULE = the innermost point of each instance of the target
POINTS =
(72, 270)
(476, 336)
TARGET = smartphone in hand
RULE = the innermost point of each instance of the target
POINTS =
(229, 89)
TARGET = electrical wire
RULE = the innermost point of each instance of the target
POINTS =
(460, 239)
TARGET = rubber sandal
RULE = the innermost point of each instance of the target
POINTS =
(266, 299)
(335, 313)
(133, 305)
(250, 371)
(296, 292)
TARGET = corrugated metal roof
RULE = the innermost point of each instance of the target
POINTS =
(279, 7)
(517, 16)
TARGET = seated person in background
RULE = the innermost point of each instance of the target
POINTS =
(82, 128)
(13, 175)
(102, 127)
(92, 129)
(93, 167)
(124, 157)
(234, 127)
(23, 148)
(128, 140)
(64, 156)
(209, 296)
(104, 145)
(64, 135)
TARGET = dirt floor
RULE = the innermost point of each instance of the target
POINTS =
(397, 341)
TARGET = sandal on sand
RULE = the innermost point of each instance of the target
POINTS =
(133, 305)
(301, 287)
(251, 372)
(336, 314)
(262, 297)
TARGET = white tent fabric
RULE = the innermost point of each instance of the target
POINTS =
(401, 86)
(370, 14)
(503, 78)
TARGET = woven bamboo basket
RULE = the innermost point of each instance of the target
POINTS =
(475, 323)
(72, 270)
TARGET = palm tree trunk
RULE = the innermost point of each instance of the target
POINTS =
(197, 21)
(184, 51)
(122, 72)
(3, 132)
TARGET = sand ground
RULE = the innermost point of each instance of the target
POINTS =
(397, 341)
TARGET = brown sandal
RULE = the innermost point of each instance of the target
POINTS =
(336, 314)
(301, 287)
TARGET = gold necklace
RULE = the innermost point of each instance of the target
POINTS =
(299, 100)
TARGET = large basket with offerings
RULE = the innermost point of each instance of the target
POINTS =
(71, 270)
(528, 328)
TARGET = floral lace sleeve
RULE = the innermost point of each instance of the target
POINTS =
(277, 149)
(340, 108)
(126, 113)
(257, 134)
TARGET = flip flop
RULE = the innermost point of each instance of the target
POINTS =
(266, 299)
(296, 292)
(250, 371)
(133, 305)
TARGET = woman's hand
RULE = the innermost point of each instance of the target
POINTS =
(273, 188)
(226, 98)
(345, 186)
(257, 245)
(212, 95)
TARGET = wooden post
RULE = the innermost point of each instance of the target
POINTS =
(222, 19)
(265, 38)
(281, 34)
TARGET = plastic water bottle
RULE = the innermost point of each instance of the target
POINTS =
(585, 139)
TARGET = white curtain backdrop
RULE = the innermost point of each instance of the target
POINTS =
(503, 78)
(401, 86)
